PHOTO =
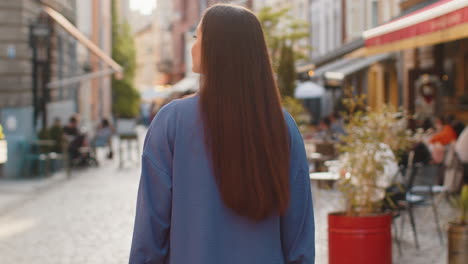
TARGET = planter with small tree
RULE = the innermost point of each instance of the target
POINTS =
(458, 230)
(362, 233)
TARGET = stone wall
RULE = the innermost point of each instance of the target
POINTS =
(15, 51)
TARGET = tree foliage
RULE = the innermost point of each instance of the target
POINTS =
(126, 98)
(286, 71)
(284, 35)
(283, 29)
(373, 139)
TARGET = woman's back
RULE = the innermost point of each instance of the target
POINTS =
(181, 217)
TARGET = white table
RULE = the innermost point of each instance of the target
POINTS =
(324, 176)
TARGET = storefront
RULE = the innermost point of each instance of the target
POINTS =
(50, 94)
(374, 76)
(433, 47)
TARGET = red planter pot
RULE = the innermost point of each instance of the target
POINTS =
(359, 239)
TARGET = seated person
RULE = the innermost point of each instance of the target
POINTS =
(104, 137)
(56, 133)
(445, 133)
(325, 133)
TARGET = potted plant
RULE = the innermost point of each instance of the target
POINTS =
(458, 230)
(362, 233)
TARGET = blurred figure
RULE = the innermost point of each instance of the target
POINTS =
(461, 148)
(337, 126)
(56, 134)
(71, 129)
(444, 132)
(79, 150)
(104, 137)
(74, 139)
(325, 133)
(458, 127)
(427, 125)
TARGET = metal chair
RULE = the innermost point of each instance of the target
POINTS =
(31, 157)
(420, 191)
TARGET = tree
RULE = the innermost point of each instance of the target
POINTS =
(281, 28)
(286, 71)
(126, 99)
(283, 34)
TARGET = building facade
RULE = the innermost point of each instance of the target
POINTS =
(94, 20)
(185, 17)
(47, 75)
(434, 75)
(326, 26)
(34, 52)
(362, 15)
(147, 74)
(16, 61)
(163, 21)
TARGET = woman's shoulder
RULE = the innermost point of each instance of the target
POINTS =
(291, 124)
(179, 105)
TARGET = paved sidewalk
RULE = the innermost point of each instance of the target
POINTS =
(85, 220)
(88, 219)
(14, 192)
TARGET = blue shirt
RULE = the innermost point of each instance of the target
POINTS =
(180, 217)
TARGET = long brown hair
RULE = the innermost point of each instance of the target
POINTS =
(245, 129)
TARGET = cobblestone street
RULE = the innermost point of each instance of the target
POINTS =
(89, 219)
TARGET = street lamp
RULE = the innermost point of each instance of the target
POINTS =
(40, 32)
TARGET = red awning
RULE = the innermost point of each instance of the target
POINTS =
(443, 21)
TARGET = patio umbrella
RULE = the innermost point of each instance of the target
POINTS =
(307, 90)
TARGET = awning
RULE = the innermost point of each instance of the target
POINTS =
(93, 48)
(339, 52)
(332, 66)
(443, 21)
(354, 66)
(307, 90)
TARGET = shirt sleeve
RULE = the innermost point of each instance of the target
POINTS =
(297, 224)
(150, 242)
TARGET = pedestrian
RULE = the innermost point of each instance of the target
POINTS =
(224, 173)
(325, 132)
(71, 129)
(445, 133)
(56, 134)
(337, 126)
(103, 137)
